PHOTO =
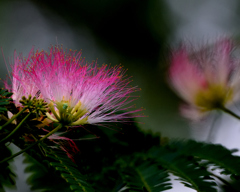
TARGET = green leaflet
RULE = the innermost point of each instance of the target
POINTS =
(4, 99)
(146, 176)
(43, 178)
(68, 171)
(7, 176)
(213, 154)
(190, 173)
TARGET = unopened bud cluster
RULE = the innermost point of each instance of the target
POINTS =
(38, 106)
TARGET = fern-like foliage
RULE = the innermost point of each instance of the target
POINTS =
(7, 176)
(4, 99)
(214, 155)
(145, 176)
(190, 173)
(42, 177)
(99, 159)
(68, 171)
(123, 162)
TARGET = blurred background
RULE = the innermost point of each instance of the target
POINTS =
(137, 34)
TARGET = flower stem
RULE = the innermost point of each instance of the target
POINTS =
(30, 146)
(13, 117)
(19, 125)
(229, 112)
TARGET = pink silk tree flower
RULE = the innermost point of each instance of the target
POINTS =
(21, 85)
(79, 92)
(206, 79)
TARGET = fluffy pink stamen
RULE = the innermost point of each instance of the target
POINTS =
(63, 75)
(185, 76)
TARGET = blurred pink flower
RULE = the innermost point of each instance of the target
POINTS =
(77, 92)
(207, 79)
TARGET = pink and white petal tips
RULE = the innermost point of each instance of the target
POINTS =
(79, 92)
(113, 92)
(218, 64)
(206, 80)
(185, 76)
(21, 85)
(192, 112)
